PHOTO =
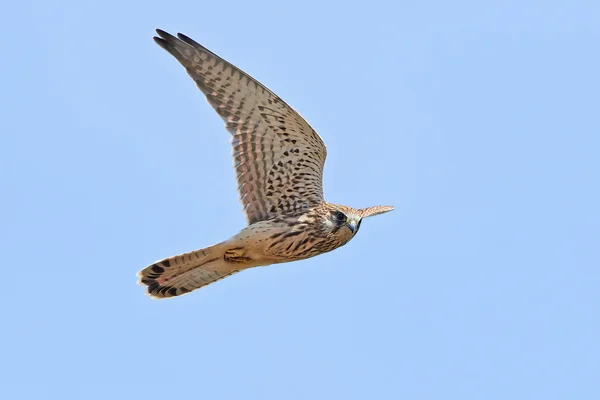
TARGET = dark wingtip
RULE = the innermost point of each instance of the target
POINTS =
(166, 41)
(161, 42)
(163, 34)
(164, 37)
(170, 42)
(193, 43)
(187, 39)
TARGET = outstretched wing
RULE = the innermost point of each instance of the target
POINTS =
(278, 157)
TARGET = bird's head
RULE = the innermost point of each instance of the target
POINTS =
(343, 222)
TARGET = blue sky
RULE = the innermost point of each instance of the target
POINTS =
(479, 121)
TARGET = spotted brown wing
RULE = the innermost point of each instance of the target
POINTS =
(278, 157)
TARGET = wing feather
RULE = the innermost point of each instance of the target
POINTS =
(278, 157)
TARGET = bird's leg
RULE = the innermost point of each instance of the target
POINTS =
(236, 255)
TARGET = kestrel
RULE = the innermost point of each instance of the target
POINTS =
(278, 160)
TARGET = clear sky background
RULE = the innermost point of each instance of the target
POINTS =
(479, 121)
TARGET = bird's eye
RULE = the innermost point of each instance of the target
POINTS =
(339, 216)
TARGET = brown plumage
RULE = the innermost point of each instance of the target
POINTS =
(279, 162)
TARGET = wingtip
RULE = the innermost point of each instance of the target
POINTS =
(162, 33)
(187, 39)
(388, 208)
(191, 42)
(166, 41)
(179, 36)
(164, 36)
(159, 41)
(377, 210)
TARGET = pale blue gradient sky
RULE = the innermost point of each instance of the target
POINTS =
(479, 121)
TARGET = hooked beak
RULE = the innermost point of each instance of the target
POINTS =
(352, 225)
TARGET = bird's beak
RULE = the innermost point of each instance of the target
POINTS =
(352, 224)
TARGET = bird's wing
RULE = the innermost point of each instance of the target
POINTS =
(278, 157)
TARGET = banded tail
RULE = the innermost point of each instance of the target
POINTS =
(181, 274)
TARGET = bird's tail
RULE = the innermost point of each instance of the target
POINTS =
(184, 273)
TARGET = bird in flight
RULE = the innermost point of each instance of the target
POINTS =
(278, 161)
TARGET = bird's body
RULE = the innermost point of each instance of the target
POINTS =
(279, 163)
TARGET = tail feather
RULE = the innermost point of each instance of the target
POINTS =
(183, 273)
